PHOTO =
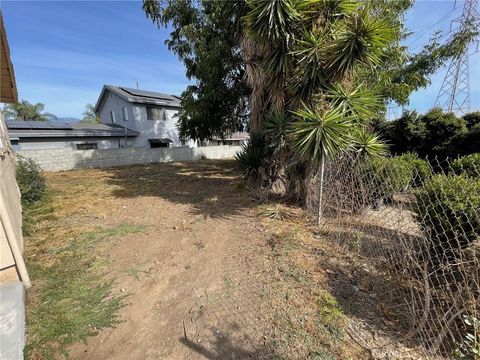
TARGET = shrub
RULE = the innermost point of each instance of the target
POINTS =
(254, 155)
(30, 180)
(468, 165)
(447, 208)
(421, 169)
(390, 175)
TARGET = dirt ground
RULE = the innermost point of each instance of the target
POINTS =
(208, 276)
(193, 278)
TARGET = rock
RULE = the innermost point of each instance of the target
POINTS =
(122, 290)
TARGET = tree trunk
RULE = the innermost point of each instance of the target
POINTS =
(321, 171)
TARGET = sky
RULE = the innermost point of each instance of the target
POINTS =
(63, 52)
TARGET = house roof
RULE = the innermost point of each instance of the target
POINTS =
(8, 88)
(52, 129)
(139, 97)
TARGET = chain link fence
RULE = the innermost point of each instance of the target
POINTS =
(417, 223)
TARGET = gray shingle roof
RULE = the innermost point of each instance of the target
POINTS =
(139, 97)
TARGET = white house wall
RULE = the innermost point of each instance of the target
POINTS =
(116, 103)
(137, 114)
(48, 144)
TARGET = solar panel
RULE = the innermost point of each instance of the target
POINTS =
(149, 94)
(16, 124)
(60, 125)
(37, 125)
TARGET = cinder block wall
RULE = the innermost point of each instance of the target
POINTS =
(67, 159)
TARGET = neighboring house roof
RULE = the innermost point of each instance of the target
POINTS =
(138, 97)
(8, 88)
(51, 129)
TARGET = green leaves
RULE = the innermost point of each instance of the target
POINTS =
(368, 144)
(359, 102)
(361, 38)
(321, 134)
(271, 19)
(24, 110)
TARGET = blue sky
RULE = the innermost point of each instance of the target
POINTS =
(63, 52)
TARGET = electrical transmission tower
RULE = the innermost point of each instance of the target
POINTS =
(454, 95)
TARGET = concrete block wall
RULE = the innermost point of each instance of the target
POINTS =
(67, 159)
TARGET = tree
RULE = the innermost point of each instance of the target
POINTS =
(472, 119)
(406, 134)
(434, 134)
(205, 37)
(89, 115)
(235, 74)
(444, 132)
(26, 111)
(306, 59)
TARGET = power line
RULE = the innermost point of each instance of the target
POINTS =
(454, 95)
(428, 28)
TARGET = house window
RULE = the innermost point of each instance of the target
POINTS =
(112, 116)
(125, 113)
(156, 113)
(87, 146)
(15, 144)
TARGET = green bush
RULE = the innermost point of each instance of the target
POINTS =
(390, 175)
(30, 180)
(447, 208)
(254, 155)
(421, 169)
(468, 165)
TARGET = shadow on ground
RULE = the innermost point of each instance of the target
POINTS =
(224, 347)
(211, 188)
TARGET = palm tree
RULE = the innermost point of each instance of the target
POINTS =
(321, 135)
(315, 48)
(26, 111)
(89, 115)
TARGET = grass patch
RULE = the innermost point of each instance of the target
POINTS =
(70, 300)
(308, 320)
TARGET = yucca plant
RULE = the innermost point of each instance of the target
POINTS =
(308, 53)
(320, 135)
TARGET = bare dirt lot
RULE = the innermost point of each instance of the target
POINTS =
(173, 261)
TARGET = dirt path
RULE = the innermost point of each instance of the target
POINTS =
(197, 270)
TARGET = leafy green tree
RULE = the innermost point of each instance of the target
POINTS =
(89, 115)
(472, 119)
(205, 37)
(444, 132)
(433, 134)
(26, 111)
(306, 58)
(239, 73)
(406, 134)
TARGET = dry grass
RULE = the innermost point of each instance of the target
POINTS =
(309, 291)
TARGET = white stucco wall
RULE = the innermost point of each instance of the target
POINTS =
(137, 114)
(69, 144)
(155, 129)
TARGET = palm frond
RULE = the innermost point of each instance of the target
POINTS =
(368, 144)
(270, 19)
(277, 127)
(360, 38)
(359, 102)
(321, 134)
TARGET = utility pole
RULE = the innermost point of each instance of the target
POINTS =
(454, 95)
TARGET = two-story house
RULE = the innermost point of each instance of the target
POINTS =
(153, 115)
